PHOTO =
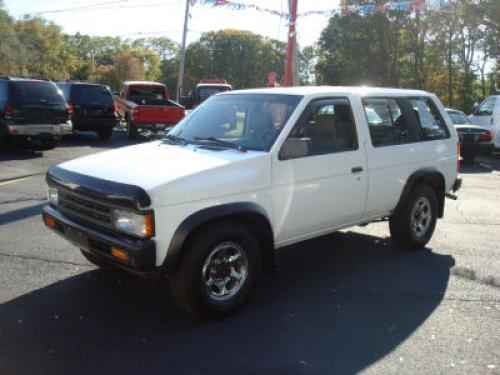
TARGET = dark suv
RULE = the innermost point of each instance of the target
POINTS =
(93, 107)
(32, 110)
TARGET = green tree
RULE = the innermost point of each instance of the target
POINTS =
(243, 58)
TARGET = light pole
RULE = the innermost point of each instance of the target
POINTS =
(180, 79)
(291, 52)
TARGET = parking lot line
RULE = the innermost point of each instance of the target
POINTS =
(17, 179)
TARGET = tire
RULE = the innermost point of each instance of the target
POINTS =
(468, 156)
(48, 143)
(96, 261)
(413, 225)
(105, 133)
(131, 129)
(204, 285)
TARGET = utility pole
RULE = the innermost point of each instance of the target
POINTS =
(180, 80)
(291, 52)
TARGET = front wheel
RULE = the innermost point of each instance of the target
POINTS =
(105, 133)
(218, 271)
(131, 129)
(48, 143)
(413, 225)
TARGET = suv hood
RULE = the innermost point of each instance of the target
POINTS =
(155, 164)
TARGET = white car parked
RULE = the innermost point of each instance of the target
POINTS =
(487, 115)
(251, 171)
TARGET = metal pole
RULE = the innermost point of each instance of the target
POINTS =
(291, 48)
(180, 80)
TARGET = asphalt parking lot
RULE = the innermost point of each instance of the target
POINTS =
(340, 304)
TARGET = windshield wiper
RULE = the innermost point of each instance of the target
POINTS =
(175, 138)
(222, 143)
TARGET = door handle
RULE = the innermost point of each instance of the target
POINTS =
(357, 169)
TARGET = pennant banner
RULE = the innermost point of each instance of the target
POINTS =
(363, 9)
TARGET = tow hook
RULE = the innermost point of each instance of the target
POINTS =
(451, 196)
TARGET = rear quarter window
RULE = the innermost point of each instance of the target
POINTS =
(429, 118)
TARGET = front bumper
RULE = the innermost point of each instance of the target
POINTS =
(40, 129)
(141, 253)
(92, 124)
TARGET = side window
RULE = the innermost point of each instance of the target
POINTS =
(386, 122)
(329, 126)
(486, 107)
(3, 92)
(431, 123)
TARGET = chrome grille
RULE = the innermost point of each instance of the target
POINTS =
(85, 209)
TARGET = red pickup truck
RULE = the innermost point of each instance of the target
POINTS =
(146, 105)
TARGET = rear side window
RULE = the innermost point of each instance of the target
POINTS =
(431, 123)
(36, 92)
(89, 94)
(329, 125)
(386, 122)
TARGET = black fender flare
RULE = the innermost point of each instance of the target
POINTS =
(429, 175)
(250, 213)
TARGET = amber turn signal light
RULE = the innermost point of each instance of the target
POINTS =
(49, 221)
(149, 227)
(120, 254)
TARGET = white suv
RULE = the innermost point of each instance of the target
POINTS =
(251, 171)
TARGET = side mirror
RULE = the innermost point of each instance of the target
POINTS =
(294, 148)
(475, 108)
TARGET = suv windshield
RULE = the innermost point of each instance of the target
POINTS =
(36, 92)
(88, 94)
(251, 121)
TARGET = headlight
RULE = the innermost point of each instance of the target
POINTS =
(141, 225)
(53, 195)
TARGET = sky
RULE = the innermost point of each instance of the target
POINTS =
(152, 18)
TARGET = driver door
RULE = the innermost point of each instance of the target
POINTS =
(326, 188)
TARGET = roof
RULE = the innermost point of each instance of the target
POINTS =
(22, 78)
(214, 85)
(144, 83)
(336, 90)
(79, 83)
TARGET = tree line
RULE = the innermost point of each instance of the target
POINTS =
(453, 52)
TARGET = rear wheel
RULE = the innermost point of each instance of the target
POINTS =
(105, 133)
(218, 271)
(413, 225)
(48, 143)
(468, 156)
(131, 129)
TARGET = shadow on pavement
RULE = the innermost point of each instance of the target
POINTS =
(481, 164)
(21, 213)
(337, 305)
(18, 153)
